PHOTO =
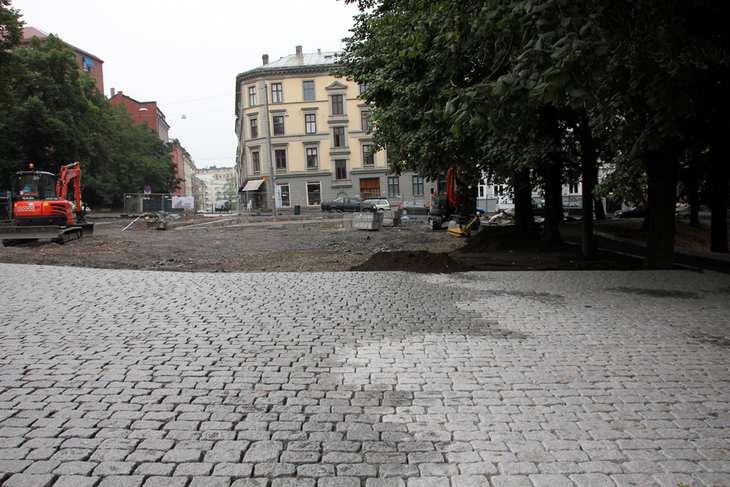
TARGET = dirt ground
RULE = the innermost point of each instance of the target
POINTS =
(326, 245)
(231, 245)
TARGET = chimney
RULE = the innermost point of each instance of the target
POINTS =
(319, 51)
(299, 51)
(265, 59)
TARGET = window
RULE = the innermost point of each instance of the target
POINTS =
(251, 96)
(312, 161)
(498, 190)
(340, 169)
(338, 107)
(283, 199)
(255, 163)
(338, 139)
(314, 195)
(482, 188)
(368, 157)
(88, 64)
(254, 127)
(278, 124)
(277, 93)
(365, 121)
(310, 123)
(573, 188)
(308, 89)
(417, 185)
(363, 87)
(280, 157)
(393, 187)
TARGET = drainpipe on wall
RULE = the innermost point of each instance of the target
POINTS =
(271, 157)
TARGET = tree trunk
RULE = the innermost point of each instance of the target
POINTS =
(589, 169)
(598, 202)
(662, 172)
(553, 203)
(693, 197)
(719, 201)
(524, 216)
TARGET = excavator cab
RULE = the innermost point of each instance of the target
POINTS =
(34, 185)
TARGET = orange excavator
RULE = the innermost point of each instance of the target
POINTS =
(39, 209)
(457, 205)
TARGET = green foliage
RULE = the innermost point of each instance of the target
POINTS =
(470, 83)
(53, 115)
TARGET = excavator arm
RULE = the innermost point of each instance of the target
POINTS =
(68, 173)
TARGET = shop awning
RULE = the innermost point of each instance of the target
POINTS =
(253, 185)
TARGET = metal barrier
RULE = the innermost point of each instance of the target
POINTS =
(139, 203)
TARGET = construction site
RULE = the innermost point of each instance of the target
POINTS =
(313, 243)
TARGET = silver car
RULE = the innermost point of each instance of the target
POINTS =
(380, 204)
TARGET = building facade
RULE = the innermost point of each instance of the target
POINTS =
(184, 169)
(311, 127)
(143, 112)
(87, 62)
(220, 186)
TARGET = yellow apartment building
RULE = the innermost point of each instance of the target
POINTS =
(312, 128)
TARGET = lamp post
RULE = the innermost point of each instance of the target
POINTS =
(271, 158)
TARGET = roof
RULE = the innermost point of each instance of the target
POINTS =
(308, 59)
(153, 103)
(31, 32)
(308, 62)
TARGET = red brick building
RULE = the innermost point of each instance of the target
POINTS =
(87, 62)
(143, 112)
(184, 169)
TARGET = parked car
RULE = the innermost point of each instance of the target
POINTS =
(635, 212)
(380, 204)
(342, 203)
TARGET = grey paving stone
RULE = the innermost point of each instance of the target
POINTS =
(338, 482)
(210, 482)
(29, 480)
(428, 482)
(263, 451)
(121, 481)
(166, 482)
(558, 376)
(254, 482)
(550, 480)
(470, 481)
(75, 481)
(385, 482)
(592, 480)
(292, 482)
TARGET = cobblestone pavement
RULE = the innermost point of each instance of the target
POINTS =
(123, 378)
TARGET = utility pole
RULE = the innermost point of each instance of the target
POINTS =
(271, 157)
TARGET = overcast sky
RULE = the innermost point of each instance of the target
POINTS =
(185, 54)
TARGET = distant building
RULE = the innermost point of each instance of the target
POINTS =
(88, 63)
(199, 192)
(184, 169)
(220, 186)
(143, 112)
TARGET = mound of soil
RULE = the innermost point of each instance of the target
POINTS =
(412, 261)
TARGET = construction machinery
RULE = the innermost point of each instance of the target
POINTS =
(39, 209)
(458, 204)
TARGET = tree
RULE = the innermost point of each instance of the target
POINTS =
(53, 115)
(554, 86)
